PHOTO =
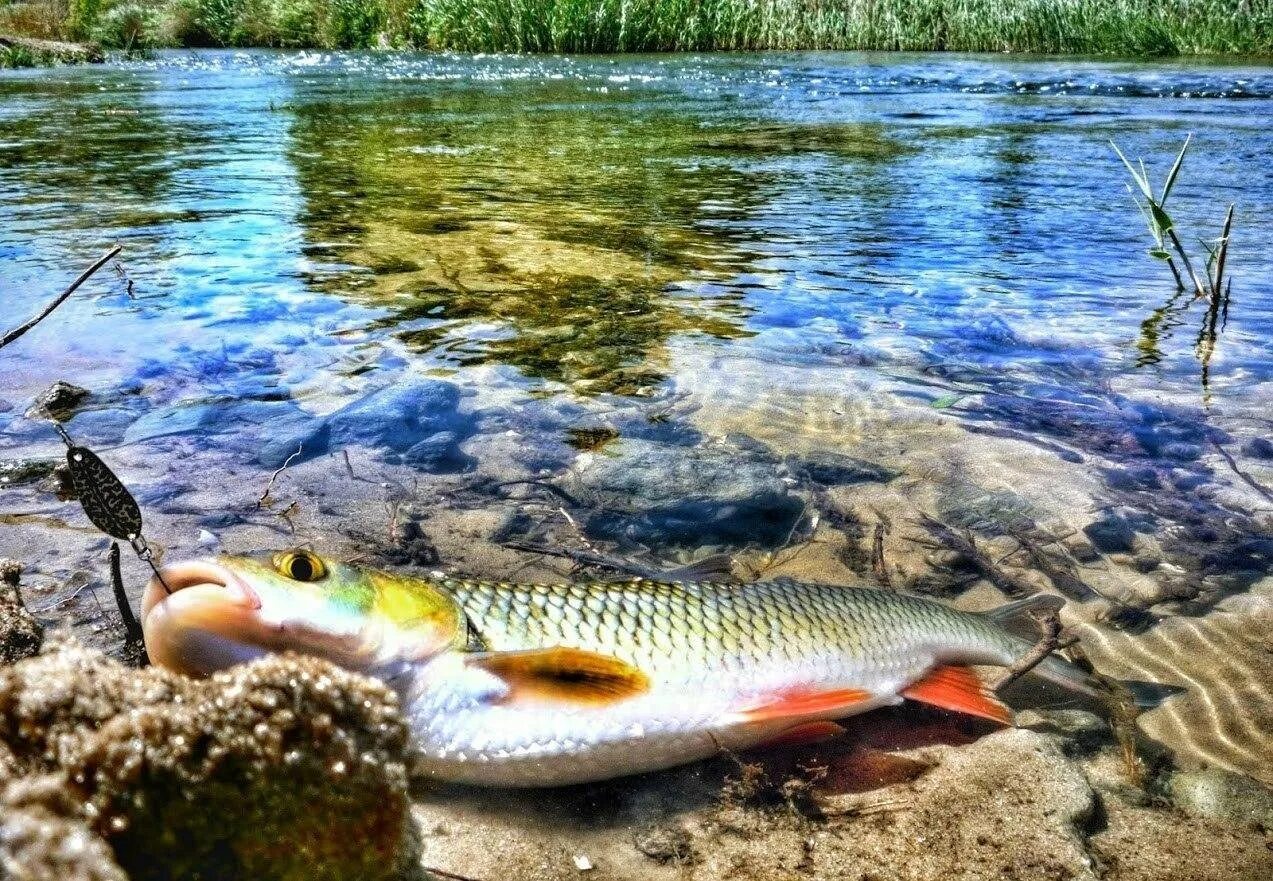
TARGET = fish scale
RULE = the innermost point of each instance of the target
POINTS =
(708, 649)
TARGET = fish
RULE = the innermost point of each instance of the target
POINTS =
(533, 685)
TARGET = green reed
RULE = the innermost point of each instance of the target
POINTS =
(1209, 284)
(1122, 27)
(1155, 27)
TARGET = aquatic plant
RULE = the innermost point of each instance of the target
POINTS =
(1163, 229)
(1211, 286)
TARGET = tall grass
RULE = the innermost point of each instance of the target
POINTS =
(1121, 27)
(1136, 27)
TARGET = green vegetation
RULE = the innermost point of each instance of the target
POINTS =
(1122, 27)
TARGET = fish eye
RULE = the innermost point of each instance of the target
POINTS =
(300, 566)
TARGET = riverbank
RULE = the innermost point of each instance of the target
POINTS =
(1087, 27)
(31, 52)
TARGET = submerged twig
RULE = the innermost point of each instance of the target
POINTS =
(443, 873)
(542, 484)
(585, 558)
(1067, 582)
(260, 503)
(60, 298)
(878, 566)
(1246, 478)
(1049, 641)
(132, 629)
(966, 546)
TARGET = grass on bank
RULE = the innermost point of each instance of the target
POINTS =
(1121, 27)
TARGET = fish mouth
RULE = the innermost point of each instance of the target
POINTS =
(198, 617)
(188, 574)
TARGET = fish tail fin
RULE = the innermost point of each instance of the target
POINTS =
(1148, 695)
(1077, 678)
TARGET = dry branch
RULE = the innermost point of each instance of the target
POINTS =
(878, 566)
(260, 503)
(585, 558)
(1049, 641)
(61, 298)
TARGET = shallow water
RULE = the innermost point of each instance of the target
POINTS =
(675, 289)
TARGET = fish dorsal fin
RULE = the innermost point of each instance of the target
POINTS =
(1037, 604)
(795, 703)
(959, 689)
(1018, 617)
(712, 568)
(563, 674)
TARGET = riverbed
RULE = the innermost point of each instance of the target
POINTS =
(429, 310)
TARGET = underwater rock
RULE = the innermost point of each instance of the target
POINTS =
(417, 417)
(398, 416)
(19, 472)
(58, 401)
(1214, 794)
(1078, 729)
(1142, 844)
(20, 633)
(669, 496)
(835, 469)
(1258, 448)
(439, 453)
(288, 768)
(1111, 534)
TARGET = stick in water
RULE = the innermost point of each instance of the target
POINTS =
(61, 298)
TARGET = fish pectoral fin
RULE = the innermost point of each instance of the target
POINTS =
(956, 688)
(796, 702)
(805, 733)
(563, 674)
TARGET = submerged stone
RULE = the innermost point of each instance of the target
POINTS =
(836, 469)
(665, 495)
(20, 634)
(1258, 448)
(417, 419)
(1215, 794)
(58, 402)
(1111, 534)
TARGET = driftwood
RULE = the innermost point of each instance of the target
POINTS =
(60, 298)
(586, 558)
(1066, 582)
(1049, 641)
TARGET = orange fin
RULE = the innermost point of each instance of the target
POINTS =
(804, 702)
(565, 674)
(959, 689)
(805, 733)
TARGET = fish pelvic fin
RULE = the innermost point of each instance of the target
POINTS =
(563, 674)
(805, 733)
(959, 689)
(797, 702)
